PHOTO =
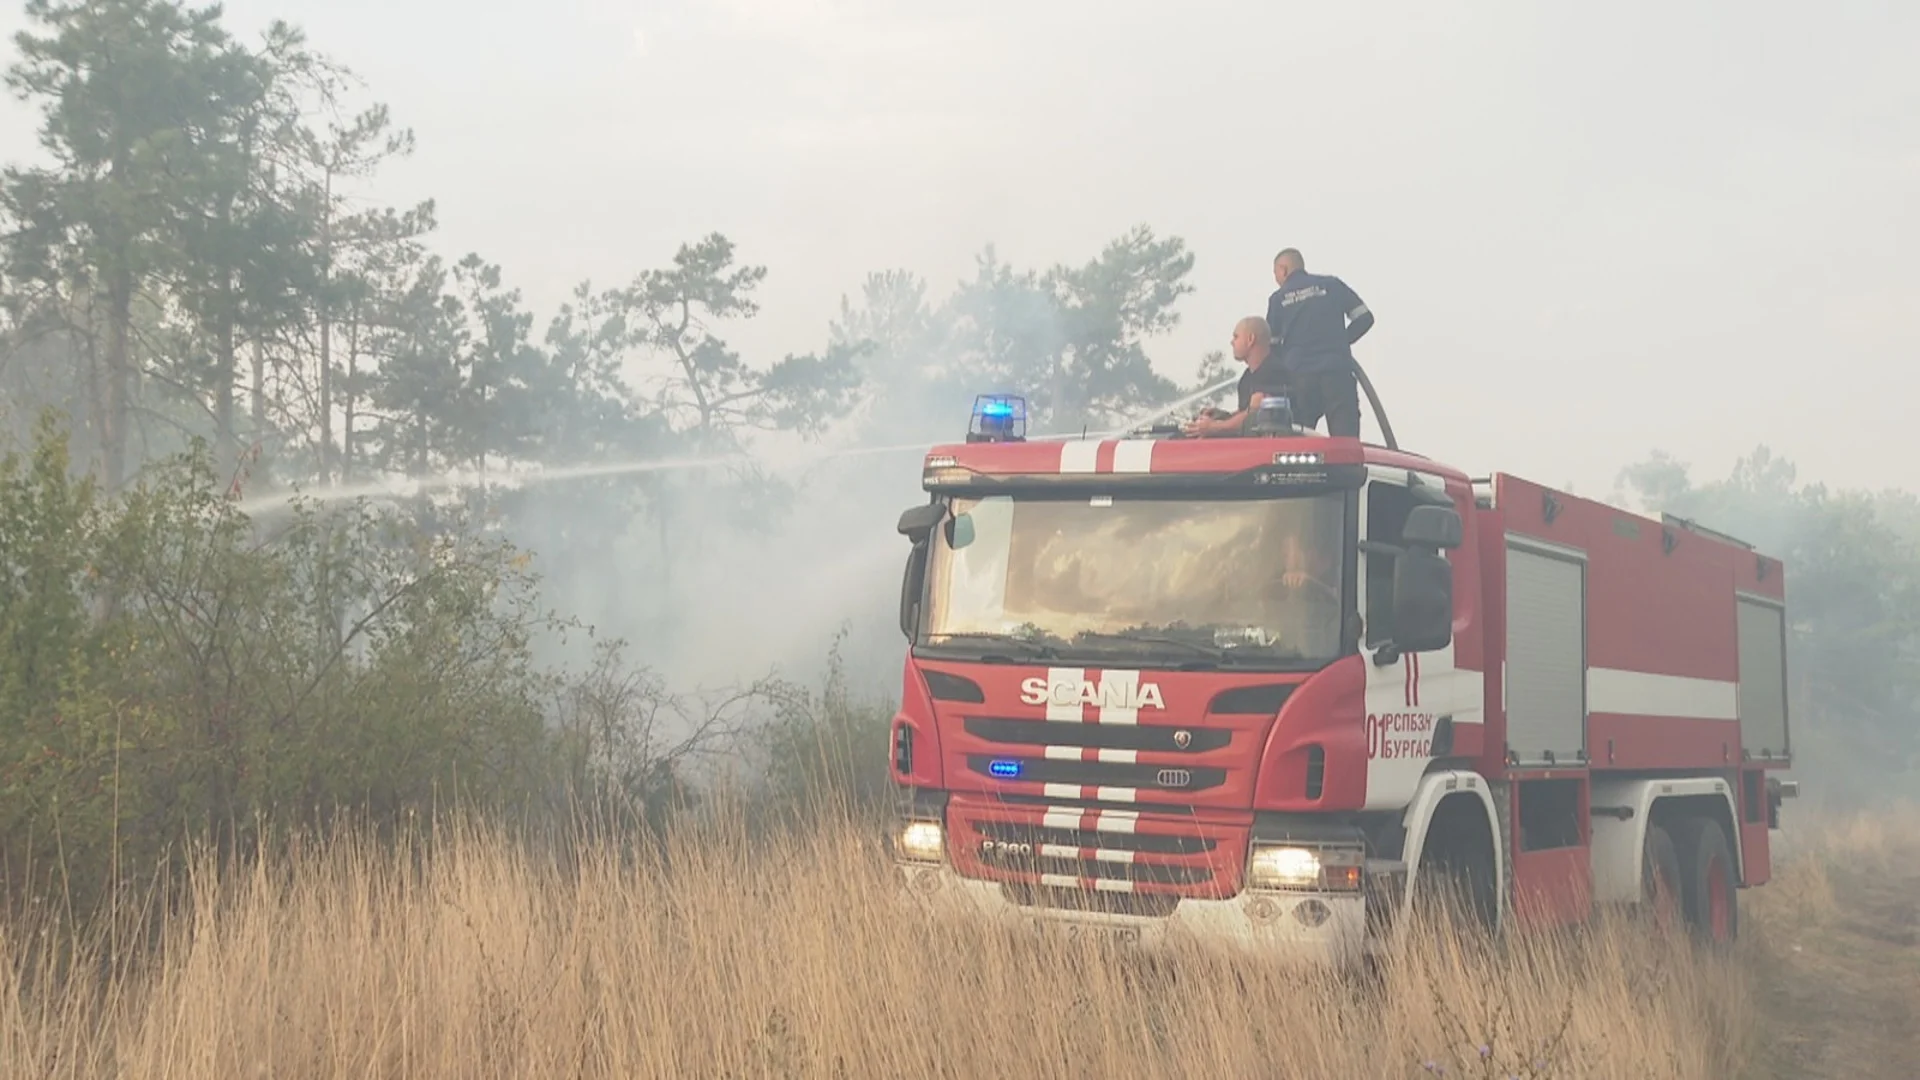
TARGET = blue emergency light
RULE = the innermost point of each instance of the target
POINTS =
(1006, 769)
(998, 418)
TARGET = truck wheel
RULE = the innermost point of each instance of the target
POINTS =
(1711, 887)
(1458, 883)
(1662, 894)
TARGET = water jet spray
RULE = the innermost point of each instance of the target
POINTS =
(415, 486)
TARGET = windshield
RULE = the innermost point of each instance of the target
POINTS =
(1223, 578)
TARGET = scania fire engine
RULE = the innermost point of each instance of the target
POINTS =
(1269, 690)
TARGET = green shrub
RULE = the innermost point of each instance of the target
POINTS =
(169, 668)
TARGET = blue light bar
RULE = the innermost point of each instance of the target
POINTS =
(1007, 769)
(998, 418)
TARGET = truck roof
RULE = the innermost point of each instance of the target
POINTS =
(1148, 455)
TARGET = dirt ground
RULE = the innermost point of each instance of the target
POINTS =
(1839, 946)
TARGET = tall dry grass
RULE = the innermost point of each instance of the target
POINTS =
(722, 956)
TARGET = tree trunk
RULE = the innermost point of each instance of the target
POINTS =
(326, 396)
(226, 367)
(326, 333)
(97, 412)
(259, 404)
(118, 408)
(349, 396)
(226, 373)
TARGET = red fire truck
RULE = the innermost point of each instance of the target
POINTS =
(1269, 690)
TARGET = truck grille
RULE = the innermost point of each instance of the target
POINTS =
(1070, 856)
(1165, 764)
(1100, 773)
(1155, 737)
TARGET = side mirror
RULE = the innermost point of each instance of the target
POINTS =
(1432, 527)
(912, 584)
(918, 522)
(1422, 600)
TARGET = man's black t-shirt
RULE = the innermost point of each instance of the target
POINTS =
(1265, 379)
(1308, 318)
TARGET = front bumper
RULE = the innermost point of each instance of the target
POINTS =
(1328, 930)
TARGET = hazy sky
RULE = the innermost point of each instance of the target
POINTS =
(1587, 230)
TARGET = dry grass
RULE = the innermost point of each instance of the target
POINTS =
(727, 958)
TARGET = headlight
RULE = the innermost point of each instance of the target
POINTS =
(922, 841)
(1303, 868)
(1283, 868)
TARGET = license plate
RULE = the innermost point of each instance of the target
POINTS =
(1073, 931)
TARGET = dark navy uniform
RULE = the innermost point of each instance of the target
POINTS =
(1315, 319)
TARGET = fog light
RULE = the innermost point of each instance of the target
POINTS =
(1283, 868)
(922, 841)
(1311, 913)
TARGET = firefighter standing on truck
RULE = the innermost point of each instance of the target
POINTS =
(1315, 320)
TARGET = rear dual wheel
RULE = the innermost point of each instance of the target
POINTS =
(1663, 892)
(1710, 886)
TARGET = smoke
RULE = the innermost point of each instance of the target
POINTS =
(717, 569)
(719, 572)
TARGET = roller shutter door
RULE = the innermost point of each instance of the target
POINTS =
(1546, 671)
(1763, 679)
